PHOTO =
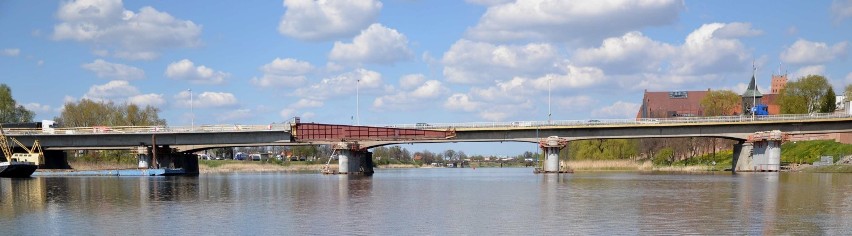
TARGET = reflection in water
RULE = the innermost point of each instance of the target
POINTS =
(430, 201)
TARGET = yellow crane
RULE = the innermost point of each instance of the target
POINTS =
(34, 154)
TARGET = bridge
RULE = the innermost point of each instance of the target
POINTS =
(755, 149)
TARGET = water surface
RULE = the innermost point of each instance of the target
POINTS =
(439, 201)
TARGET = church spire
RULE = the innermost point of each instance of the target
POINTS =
(752, 90)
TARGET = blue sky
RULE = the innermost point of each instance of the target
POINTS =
(417, 61)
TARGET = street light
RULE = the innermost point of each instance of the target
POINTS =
(549, 113)
(191, 111)
(357, 102)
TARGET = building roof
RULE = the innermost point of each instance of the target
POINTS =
(752, 90)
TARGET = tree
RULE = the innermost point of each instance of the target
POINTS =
(720, 103)
(848, 93)
(804, 95)
(829, 102)
(88, 113)
(10, 111)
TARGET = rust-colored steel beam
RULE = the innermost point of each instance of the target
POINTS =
(310, 132)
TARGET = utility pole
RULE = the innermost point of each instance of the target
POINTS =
(357, 102)
(753, 92)
(549, 111)
(191, 111)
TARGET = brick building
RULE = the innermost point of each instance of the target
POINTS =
(671, 104)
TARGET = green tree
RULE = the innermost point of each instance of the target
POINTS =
(848, 93)
(87, 113)
(804, 95)
(720, 103)
(829, 101)
(10, 111)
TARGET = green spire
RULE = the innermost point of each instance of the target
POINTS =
(752, 90)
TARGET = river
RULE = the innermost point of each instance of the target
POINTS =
(439, 201)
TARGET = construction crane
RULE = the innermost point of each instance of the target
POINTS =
(34, 154)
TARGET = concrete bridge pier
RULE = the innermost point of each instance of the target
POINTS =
(175, 163)
(551, 147)
(761, 152)
(351, 159)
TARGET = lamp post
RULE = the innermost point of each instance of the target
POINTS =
(549, 113)
(357, 102)
(191, 111)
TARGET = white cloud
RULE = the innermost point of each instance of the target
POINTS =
(343, 85)
(618, 110)
(461, 102)
(469, 62)
(418, 97)
(505, 99)
(37, 108)
(186, 70)
(306, 103)
(111, 90)
(286, 72)
(411, 81)
(807, 52)
(712, 48)
(131, 35)
(841, 9)
(376, 44)
(573, 103)
(11, 52)
(574, 77)
(318, 20)
(104, 69)
(572, 21)
(151, 99)
(630, 53)
(809, 70)
(488, 2)
(205, 100)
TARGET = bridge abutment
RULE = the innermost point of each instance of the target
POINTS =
(351, 159)
(551, 147)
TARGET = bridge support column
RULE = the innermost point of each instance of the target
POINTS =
(762, 152)
(351, 159)
(551, 147)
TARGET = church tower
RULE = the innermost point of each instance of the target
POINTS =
(752, 96)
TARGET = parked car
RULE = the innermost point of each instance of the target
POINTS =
(240, 156)
(255, 157)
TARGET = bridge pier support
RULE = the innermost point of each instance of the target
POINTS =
(761, 152)
(175, 163)
(551, 147)
(351, 159)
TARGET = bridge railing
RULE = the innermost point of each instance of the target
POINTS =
(149, 129)
(638, 121)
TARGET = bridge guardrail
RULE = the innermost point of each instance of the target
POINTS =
(443, 126)
(638, 121)
(149, 129)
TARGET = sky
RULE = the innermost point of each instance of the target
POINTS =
(373, 62)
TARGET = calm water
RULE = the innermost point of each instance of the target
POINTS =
(430, 201)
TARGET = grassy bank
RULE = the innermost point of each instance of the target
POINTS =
(222, 166)
(806, 152)
(828, 169)
(101, 165)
